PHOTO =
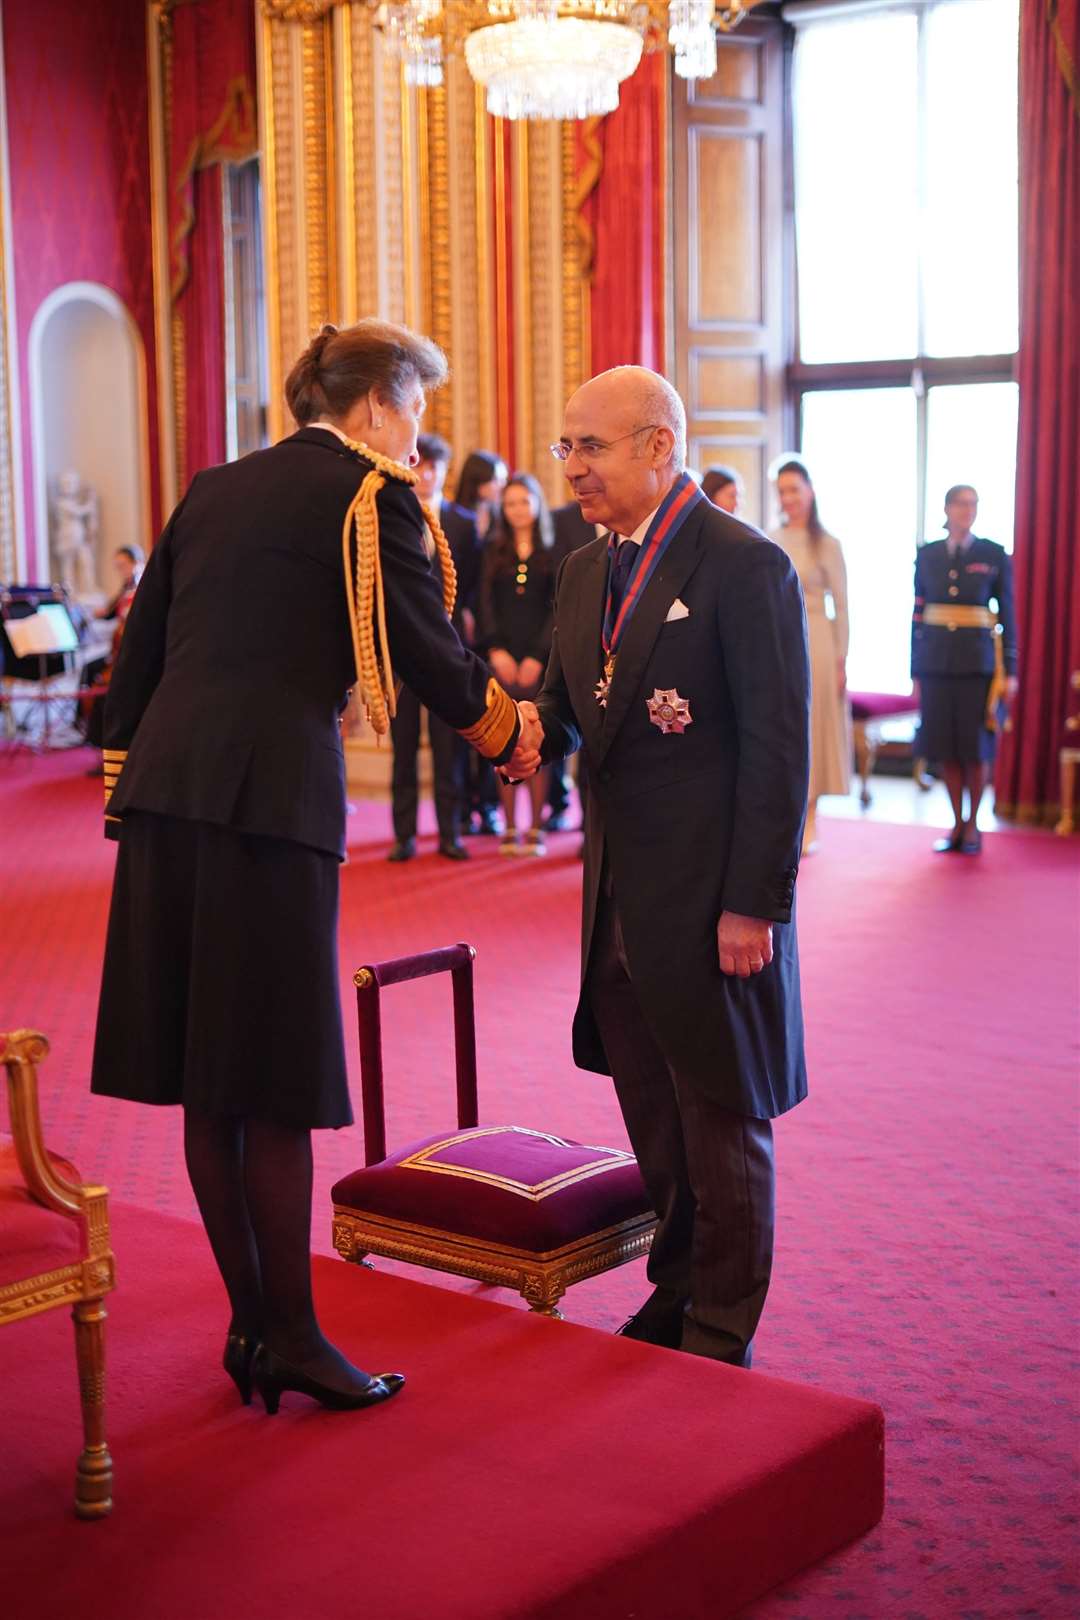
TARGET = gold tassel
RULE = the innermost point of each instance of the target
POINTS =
(366, 597)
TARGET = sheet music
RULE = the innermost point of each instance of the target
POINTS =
(49, 630)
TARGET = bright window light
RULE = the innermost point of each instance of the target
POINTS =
(971, 439)
(856, 187)
(970, 199)
(859, 446)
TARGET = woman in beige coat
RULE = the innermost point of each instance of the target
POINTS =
(819, 563)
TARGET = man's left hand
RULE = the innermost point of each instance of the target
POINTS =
(745, 944)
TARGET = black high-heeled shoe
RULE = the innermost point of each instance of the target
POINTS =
(239, 1354)
(271, 1374)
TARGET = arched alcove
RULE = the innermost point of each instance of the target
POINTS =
(87, 373)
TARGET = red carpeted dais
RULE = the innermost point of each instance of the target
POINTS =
(926, 1255)
(529, 1469)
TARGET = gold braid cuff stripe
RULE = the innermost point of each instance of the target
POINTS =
(112, 760)
(364, 587)
(493, 733)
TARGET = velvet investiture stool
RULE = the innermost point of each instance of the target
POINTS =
(55, 1250)
(504, 1204)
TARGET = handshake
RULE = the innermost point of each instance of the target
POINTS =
(525, 760)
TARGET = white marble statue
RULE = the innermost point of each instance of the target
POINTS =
(75, 534)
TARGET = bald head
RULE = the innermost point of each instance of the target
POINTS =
(638, 398)
(626, 435)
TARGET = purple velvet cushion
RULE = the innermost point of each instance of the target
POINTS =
(879, 705)
(502, 1184)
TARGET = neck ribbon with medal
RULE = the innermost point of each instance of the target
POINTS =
(671, 514)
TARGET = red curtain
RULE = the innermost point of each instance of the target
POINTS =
(1047, 557)
(622, 218)
(212, 122)
(203, 305)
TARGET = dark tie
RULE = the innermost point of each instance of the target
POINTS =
(625, 558)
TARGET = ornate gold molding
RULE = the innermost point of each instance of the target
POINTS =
(575, 289)
(437, 212)
(301, 11)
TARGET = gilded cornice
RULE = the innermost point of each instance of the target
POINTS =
(302, 11)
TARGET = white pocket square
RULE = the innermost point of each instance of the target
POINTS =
(677, 610)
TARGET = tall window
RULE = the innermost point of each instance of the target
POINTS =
(245, 313)
(906, 251)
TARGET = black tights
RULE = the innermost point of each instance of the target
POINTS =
(252, 1181)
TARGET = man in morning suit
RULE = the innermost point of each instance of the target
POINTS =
(448, 752)
(679, 666)
(963, 659)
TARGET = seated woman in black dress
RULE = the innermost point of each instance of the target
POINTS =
(517, 603)
(260, 607)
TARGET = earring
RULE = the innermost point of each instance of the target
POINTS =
(377, 425)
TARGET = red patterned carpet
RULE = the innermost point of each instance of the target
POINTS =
(928, 1219)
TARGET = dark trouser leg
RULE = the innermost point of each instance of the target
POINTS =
(953, 777)
(709, 1172)
(447, 762)
(650, 1110)
(975, 777)
(733, 1176)
(214, 1151)
(405, 733)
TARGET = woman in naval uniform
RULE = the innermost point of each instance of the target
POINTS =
(280, 581)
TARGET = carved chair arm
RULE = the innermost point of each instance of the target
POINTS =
(20, 1052)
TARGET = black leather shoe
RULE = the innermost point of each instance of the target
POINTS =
(403, 850)
(557, 822)
(654, 1327)
(239, 1354)
(951, 845)
(488, 823)
(272, 1375)
(453, 850)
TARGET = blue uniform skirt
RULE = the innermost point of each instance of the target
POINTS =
(220, 984)
(954, 729)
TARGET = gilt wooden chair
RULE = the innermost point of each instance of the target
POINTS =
(54, 1250)
(504, 1204)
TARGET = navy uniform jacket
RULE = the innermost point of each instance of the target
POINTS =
(982, 574)
(237, 656)
(696, 823)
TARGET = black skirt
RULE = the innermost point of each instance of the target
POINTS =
(954, 729)
(220, 985)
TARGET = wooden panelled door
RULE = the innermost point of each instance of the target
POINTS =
(730, 306)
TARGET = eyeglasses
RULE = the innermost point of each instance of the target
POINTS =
(589, 450)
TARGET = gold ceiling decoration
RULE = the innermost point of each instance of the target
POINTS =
(553, 59)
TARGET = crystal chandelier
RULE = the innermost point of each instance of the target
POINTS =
(553, 58)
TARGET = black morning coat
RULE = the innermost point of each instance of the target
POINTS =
(982, 573)
(696, 823)
(237, 656)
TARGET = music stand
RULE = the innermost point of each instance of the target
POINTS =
(37, 645)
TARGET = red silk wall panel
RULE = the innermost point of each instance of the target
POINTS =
(78, 148)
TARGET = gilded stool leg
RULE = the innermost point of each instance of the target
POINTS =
(1066, 823)
(93, 1476)
(543, 1293)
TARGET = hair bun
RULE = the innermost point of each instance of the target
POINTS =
(320, 340)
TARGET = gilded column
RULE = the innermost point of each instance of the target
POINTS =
(545, 246)
(521, 296)
(358, 221)
(437, 250)
(297, 141)
(575, 290)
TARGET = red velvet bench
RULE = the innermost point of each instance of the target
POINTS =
(870, 711)
(504, 1204)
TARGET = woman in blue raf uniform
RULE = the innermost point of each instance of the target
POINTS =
(963, 659)
(279, 581)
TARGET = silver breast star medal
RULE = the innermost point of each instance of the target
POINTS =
(603, 685)
(668, 710)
